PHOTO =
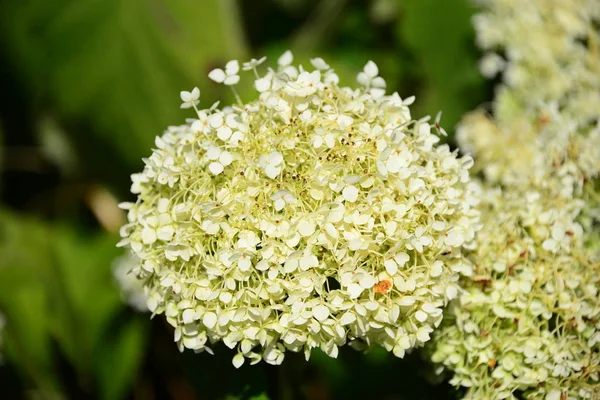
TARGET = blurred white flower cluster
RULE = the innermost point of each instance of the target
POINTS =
(313, 216)
(131, 285)
(547, 51)
(547, 108)
(529, 318)
(528, 322)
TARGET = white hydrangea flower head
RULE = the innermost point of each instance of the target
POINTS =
(334, 218)
(529, 318)
(549, 102)
(527, 324)
(558, 59)
(131, 285)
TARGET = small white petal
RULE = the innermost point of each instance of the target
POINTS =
(377, 92)
(550, 244)
(244, 264)
(306, 228)
(355, 244)
(420, 316)
(354, 290)
(378, 82)
(213, 153)
(367, 281)
(262, 84)
(275, 158)
(350, 193)
(238, 360)
(371, 69)
(381, 168)
(224, 133)
(451, 292)
(217, 75)
(347, 318)
(225, 297)
(262, 265)
(185, 96)
(166, 232)
(409, 100)
(286, 59)
(188, 316)
(216, 168)
(232, 67)
(319, 63)
(271, 171)
(436, 269)
(215, 120)
(290, 266)
(554, 395)
(406, 301)
(363, 79)
(309, 261)
(226, 158)
(391, 267)
(423, 334)
(209, 320)
(279, 204)
(331, 231)
(231, 80)
(321, 312)
(148, 236)
(401, 258)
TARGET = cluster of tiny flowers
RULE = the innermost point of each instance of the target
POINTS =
(530, 317)
(131, 285)
(521, 152)
(314, 216)
(549, 100)
(528, 321)
(550, 51)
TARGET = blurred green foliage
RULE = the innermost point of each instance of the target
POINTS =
(57, 292)
(87, 85)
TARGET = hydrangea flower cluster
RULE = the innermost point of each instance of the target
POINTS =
(547, 122)
(528, 320)
(548, 51)
(550, 91)
(521, 151)
(314, 216)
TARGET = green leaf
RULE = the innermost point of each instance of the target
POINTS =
(442, 38)
(56, 285)
(23, 301)
(26, 336)
(118, 359)
(118, 66)
(81, 286)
